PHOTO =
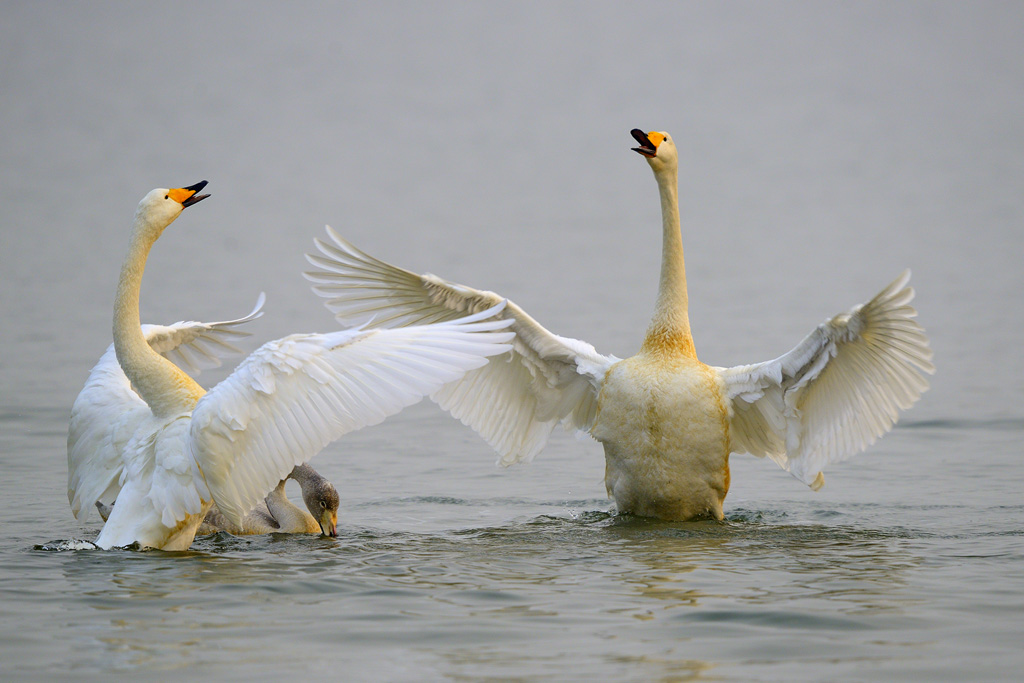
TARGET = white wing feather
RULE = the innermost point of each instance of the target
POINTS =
(513, 403)
(293, 396)
(104, 416)
(194, 347)
(835, 393)
(107, 412)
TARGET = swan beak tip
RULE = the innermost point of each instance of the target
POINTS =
(329, 526)
(646, 147)
(187, 196)
(195, 197)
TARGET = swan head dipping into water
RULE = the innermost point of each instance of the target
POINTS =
(278, 515)
(320, 496)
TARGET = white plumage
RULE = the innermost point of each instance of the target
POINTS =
(513, 402)
(834, 394)
(293, 396)
(107, 410)
(144, 432)
(667, 421)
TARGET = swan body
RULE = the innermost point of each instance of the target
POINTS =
(667, 421)
(152, 438)
(662, 422)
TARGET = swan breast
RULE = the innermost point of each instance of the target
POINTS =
(665, 429)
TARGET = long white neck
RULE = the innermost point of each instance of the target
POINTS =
(163, 386)
(669, 331)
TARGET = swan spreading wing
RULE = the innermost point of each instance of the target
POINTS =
(108, 412)
(194, 347)
(294, 395)
(835, 393)
(514, 403)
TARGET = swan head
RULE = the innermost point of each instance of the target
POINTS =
(659, 149)
(161, 206)
(322, 501)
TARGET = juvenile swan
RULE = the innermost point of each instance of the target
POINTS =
(279, 515)
(667, 421)
(166, 449)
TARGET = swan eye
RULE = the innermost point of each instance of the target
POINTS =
(167, 196)
(323, 505)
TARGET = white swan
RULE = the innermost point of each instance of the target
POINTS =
(667, 421)
(166, 449)
(277, 514)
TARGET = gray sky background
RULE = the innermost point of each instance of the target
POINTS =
(824, 147)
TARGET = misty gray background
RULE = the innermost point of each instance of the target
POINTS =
(824, 147)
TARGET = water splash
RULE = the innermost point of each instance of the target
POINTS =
(70, 544)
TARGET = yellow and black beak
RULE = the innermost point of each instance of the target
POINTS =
(187, 196)
(648, 147)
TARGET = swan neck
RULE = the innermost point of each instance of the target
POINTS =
(305, 475)
(669, 331)
(309, 480)
(163, 386)
(291, 518)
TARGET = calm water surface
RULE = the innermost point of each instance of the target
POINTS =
(824, 147)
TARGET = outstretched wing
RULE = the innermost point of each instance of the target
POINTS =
(295, 395)
(513, 403)
(835, 393)
(108, 411)
(194, 347)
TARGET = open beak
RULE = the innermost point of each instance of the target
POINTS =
(646, 147)
(195, 198)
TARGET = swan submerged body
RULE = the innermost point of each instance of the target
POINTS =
(277, 514)
(144, 432)
(667, 421)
